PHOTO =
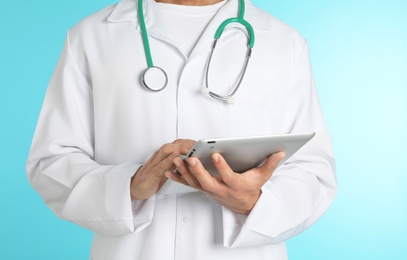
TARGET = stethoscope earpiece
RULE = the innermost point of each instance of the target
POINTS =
(204, 90)
(231, 101)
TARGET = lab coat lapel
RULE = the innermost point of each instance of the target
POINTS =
(126, 11)
(156, 24)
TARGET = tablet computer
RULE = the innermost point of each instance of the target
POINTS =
(244, 153)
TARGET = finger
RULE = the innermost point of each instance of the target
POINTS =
(272, 162)
(179, 146)
(205, 179)
(160, 155)
(176, 177)
(165, 165)
(227, 175)
(166, 150)
(187, 174)
(184, 145)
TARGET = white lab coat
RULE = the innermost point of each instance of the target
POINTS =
(98, 125)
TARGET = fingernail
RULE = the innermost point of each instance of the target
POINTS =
(176, 162)
(192, 162)
(215, 157)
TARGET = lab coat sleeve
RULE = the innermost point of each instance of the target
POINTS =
(302, 189)
(61, 165)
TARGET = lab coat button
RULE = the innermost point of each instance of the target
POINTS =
(186, 219)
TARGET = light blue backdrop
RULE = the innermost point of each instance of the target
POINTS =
(359, 55)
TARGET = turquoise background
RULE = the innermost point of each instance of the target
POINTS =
(359, 56)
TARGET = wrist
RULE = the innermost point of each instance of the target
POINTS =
(133, 185)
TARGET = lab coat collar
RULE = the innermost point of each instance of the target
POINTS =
(126, 11)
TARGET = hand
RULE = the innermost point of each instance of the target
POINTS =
(150, 177)
(237, 192)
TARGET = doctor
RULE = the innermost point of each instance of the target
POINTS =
(105, 143)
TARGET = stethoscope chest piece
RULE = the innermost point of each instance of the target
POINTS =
(154, 79)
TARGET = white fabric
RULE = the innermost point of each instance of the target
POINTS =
(98, 125)
(188, 22)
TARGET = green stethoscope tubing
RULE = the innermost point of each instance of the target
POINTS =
(143, 28)
(161, 73)
(240, 19)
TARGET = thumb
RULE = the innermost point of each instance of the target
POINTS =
(226, 174)
(272, 162)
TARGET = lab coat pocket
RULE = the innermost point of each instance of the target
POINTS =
(258, 104)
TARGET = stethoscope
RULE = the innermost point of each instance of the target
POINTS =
(155, 79)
